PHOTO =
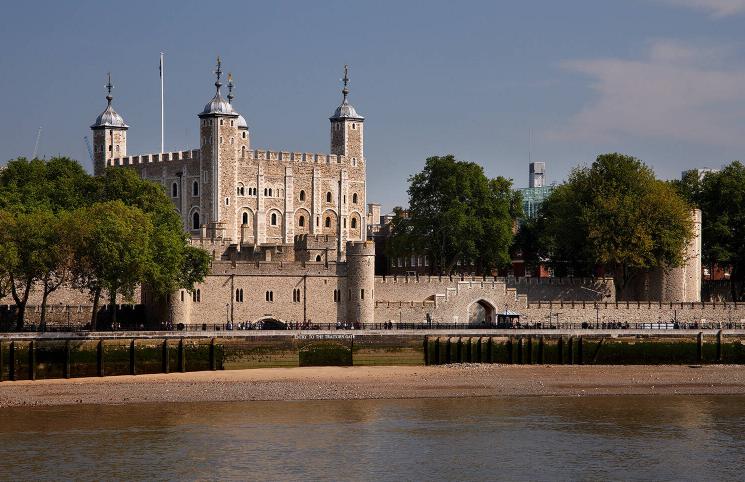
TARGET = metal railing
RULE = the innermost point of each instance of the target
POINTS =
(385, 326)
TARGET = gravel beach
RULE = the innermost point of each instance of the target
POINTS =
(332, 383)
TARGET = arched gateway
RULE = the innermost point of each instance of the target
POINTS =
(481, 312)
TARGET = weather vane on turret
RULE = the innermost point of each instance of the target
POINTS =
(230, 88)
(345, 90)
(218, 72)
(109, 86)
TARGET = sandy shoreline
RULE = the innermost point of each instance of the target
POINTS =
(335, 383)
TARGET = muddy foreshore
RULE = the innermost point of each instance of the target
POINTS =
(390, 382)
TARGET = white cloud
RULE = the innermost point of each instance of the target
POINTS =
(676, 92)
(716, 8)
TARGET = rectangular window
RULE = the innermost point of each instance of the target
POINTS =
(362, 294)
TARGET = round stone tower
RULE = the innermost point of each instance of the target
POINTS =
(361, 281)
(179, 303)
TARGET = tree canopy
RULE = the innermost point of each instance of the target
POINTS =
(617, 215)
(103, 234)
(456, 214)
(721, 198)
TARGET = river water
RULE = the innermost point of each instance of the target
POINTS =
(538, 438)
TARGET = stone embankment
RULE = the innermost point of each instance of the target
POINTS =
(70, 355)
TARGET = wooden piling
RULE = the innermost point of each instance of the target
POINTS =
(540, 350)
(67, 358)
(570, 350)
(719, 346)
(213, 364)
(12, 361)
(520, 351)
(510, 358)
(2, 366)
(165, 360)
(560, 350)
(32, 360)
(529, 351)
(181, 356)
(700, 347)
(132, 366)
(580, 353)
(99, 359)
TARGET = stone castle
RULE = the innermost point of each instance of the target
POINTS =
(286, 230)
(288, 234)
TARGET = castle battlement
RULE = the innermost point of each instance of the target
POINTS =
(360, 248)
(286, 156)
(562, 281)
(276, 268)
(192, 155)
(435, 279)
(640, 305)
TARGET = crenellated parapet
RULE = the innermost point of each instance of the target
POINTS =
(192, 155)
(306, 157)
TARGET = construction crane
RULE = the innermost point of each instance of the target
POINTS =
(88, 145)
(36, 145)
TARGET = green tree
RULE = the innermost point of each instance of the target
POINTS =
(176, 265)
(722, 203)
(58, 228)
(36, 196)
(59, 184)
(616, 214)
(690, 187)
(114, 251)
(457, 214)
(36, 251)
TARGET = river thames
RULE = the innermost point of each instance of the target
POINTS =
(548, 438)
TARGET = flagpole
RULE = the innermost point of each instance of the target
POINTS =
(161, 105)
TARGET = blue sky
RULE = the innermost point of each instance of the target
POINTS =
(663, 80)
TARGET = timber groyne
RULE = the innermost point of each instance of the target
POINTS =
(30, 356)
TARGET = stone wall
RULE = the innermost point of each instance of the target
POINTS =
(557, 289)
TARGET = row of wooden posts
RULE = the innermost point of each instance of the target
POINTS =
(100, 365)
(440, 350)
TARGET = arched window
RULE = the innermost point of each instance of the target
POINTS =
(328, 197)
(269, 295)
(240, 190)
(318, 258)
(195, 188)
(245, 218)
(302, 195)
(195, 220)
(296, 295)
(243, 150)
(270, 192)
(266, 191)
(328, 221)
(174, 190)
(274, 219)
(354, 198)
(354, 223)
(301, 221)
(239, 295)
